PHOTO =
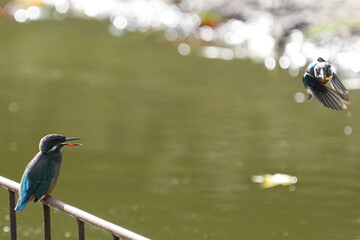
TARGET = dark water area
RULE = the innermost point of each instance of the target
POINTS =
(170, 142)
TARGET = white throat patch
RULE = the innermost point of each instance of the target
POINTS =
(53, 149)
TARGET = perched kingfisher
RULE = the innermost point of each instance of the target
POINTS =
(316, 76)
(43, 170)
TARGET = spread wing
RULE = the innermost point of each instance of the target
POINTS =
(327, 97)
(339, 87)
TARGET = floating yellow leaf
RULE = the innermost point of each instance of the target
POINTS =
(269, 180)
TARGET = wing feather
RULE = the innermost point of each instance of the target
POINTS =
(329, 98)
(41, 175)
(339, 87)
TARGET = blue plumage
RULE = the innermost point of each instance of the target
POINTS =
(25, 194)
(316, 76)
(42, 172)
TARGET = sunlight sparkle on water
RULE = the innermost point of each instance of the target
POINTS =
(347, 130)
(206, 34)
(170, 18)
(261, 46)
(270, 63)
(261, 33)
(120, 22)
(218, 53)
(284, 62)
(211, 52)
(62, 6)
(299, 97)
(350, 60)
(226, 54)
(171, 34)
(297, 36)
(21, 15)
(298, 60)
(183, 49)
(294, 71)
(33, 12)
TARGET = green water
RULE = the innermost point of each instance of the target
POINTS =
(170, 142)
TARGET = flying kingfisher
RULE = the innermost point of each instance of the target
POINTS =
(316, 76)
(43, 170)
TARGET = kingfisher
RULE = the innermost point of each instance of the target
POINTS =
(316, 76)
(43, 170)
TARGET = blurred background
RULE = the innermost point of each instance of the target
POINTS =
(183, 107)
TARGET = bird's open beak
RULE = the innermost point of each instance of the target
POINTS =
(71, 139)
(322, 73)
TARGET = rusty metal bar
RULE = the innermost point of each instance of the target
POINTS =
(12, 215)
(81, 229)
(47, 225)
(115, 230)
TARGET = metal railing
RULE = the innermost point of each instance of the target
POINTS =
(80, 215)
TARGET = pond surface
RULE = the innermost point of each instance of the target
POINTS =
(170, 142)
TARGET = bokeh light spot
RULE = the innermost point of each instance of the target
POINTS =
(226, 54)
(284, 62)
(120, 22)
(299, 97)
(14, 107)
(21, 15)
(206, 34)
(211, 52)
(347, 130)
(294, 72)
(270, 63)
(183, 49)
(62, 6)
(33, 12)
(171, 35)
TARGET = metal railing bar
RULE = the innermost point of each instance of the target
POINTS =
(91, 219)
(115, 230)
(81, 229)
(12, 215)
(47, 225)
(9, 184)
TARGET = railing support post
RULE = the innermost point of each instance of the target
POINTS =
(12, 215)
(81, 230)
(116, 237)
(47, 226)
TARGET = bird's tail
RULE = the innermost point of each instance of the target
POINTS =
(22, 202)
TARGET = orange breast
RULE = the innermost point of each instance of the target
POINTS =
(323, 81)
(51, 187)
